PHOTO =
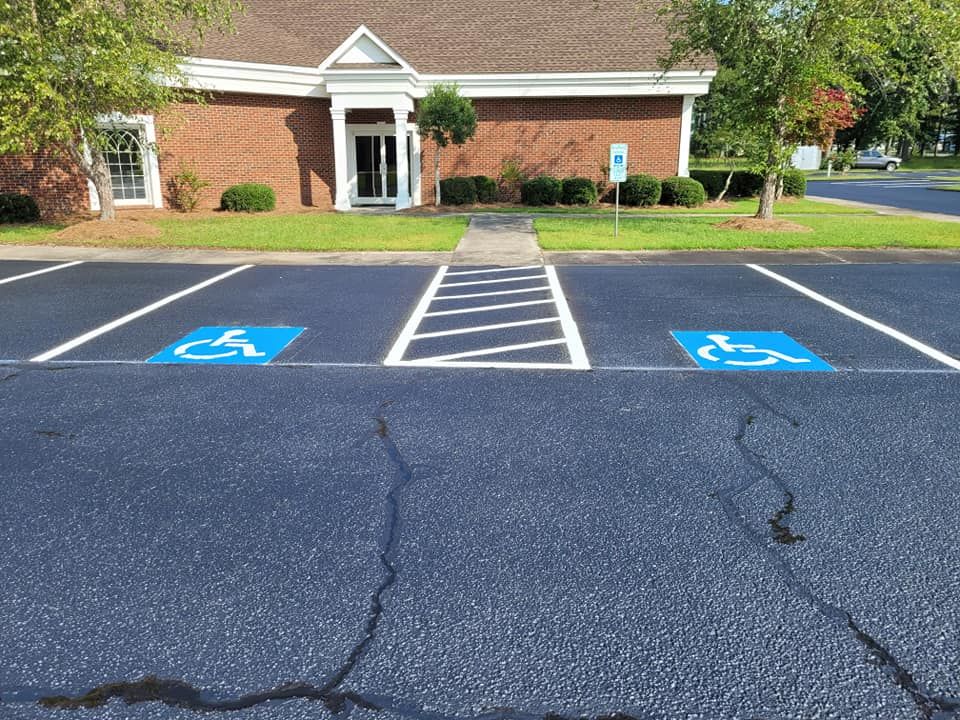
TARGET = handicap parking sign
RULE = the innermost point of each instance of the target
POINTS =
(730, 350)
(229, 345)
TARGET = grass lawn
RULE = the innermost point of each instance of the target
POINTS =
(952, 188)
(739, 206)
(306, 231)
(699, 234)
(943, 162)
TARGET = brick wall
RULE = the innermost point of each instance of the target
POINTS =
(564, 136)
(286, 143)
(52, 181)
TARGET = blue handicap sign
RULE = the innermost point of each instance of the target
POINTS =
(732, 350)
(618, 159)
(229, 345)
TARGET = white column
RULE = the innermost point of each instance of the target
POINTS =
(342, 190)
(403, 193)
(686, 126)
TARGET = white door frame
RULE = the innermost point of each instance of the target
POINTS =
(384, 129)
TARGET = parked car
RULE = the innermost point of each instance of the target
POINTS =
(876, 159)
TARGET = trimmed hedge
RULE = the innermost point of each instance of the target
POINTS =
(17, 208)
(486, 188)
(683, 191)
(794, 183)
(578, 191)
(458, 191)
(541, 190)
(248, 197)
(640, 191)
(712, 181)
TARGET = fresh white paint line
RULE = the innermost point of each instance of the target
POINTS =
(406, 335)
(4, 281)
(484, 328)
(492, 282)
(488, 351)
(541, 288)
(578, 354)
(869, 322)
(488, 308)
(97, 332)
(486, 364)
(494, 270)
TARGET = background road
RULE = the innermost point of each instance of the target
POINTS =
(459, 543)
(912, 190)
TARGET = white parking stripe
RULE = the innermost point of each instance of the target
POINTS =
(483, 328)
(487, 351)
(578, 354)
(493, 282)
(491, 294)
(488, 308)
(403, 340)
(494, 270)
(869, 322)
(97, 332)
(4, 281)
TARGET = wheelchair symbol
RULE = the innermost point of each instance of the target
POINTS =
(723, 344)
(232, 339)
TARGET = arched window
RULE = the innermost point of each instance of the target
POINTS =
(124, 153)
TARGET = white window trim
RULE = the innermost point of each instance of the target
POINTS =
(147, 126)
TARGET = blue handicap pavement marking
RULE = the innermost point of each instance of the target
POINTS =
(229, 345)
(732, 350)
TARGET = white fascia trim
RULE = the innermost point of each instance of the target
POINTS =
(677, 82)
(255, 78)
(360, 32)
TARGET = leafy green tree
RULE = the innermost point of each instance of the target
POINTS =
(445, 117)
(780, 52)
(66, 66)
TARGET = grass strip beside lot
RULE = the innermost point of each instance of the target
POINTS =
(951, 188)
(700, 234)
(739, 206)
(275, 232)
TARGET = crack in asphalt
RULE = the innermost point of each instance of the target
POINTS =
(179, 693)
(781, 531)
(930, 706)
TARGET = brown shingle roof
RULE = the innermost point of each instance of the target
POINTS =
(454, 36)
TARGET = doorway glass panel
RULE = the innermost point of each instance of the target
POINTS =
(369, 183)
(391, 147)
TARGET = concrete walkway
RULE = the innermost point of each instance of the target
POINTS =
(498, 240)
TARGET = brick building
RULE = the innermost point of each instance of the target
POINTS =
(321, 105)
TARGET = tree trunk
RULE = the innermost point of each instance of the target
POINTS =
(726, 186)
(779, 187)
(94, 166)
(436, 177)
(768, 196)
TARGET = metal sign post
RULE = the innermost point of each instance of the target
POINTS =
(618, 174)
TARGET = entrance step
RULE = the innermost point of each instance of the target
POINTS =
(498, 240)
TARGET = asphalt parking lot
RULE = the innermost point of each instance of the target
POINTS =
(365, 521)
(911, 190)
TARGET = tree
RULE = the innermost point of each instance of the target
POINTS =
(780, 52)
(67, 66)
(446, 117)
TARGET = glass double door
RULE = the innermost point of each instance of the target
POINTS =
(377, 168)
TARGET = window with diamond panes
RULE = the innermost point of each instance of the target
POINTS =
(124, 156)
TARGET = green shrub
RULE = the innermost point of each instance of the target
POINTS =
(17, 208)
(541, 190)
(683, 191)
(486, 188)
(578, 191)
(640, 191)
(458, 191)
(746, 184)
(794, 183)
(185, 189)
(248, 197)
(713, 181)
